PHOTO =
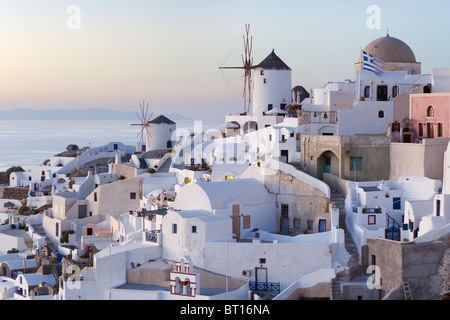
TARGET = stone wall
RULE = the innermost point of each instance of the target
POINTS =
(416, 263)
(125, 171)
(15, 193)
(305, 202)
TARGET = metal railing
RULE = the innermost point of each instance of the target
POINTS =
(264, 286)
(152, 236)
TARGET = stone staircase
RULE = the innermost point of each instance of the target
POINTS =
(350, 246)
(40, 230)
(166, 165)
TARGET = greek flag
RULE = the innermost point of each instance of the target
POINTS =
(372, 63)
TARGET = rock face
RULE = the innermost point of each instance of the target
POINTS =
(72, 147)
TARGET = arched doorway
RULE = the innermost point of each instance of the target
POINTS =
(327, 163)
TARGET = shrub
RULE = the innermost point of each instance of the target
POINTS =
(11, 170)
(23, 209)
(65, 236)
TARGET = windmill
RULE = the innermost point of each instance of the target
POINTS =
(145, 121)
(247, 65)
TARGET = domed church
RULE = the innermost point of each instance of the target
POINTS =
(395, 54)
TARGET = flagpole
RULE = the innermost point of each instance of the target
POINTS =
(359, 76)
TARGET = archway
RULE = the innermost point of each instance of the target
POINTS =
(327, 163)
(250, 126)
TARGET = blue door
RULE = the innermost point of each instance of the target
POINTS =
(327, 164)
(322, 225)
(285, 226)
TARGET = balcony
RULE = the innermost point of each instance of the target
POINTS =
(367, 210)
(264, 286)
(308, 117)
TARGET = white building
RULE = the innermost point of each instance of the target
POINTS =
(429, 219)
(381, 209)
(271, 85)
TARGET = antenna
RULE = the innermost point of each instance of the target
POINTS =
(145, 121)
(247, 65)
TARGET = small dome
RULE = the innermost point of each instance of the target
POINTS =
(390, 49)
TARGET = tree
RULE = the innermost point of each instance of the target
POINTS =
(11, 170)
(293, 109)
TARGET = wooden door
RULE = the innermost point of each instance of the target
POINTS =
(236, 221)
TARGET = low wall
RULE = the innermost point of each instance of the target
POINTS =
(15, 193)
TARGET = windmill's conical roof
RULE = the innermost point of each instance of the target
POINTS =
(162, 119)
(272, 62)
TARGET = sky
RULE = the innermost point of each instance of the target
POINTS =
(114, 54)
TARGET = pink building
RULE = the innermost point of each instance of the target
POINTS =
(430, 115)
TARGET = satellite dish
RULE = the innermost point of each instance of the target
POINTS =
(115, 236)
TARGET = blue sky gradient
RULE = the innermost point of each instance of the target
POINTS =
(168, 52)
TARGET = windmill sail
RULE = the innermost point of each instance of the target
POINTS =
(144, 123)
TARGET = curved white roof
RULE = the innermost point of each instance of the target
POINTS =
(217, 195)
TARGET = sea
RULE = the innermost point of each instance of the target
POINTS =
(28, 143)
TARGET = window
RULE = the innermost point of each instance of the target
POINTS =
(371, 219)
(420, 129)
(132, 195)
(194, 229)
(95, 196)
(246, 222)
(282, 106)
(89, 231)
(381, 114)
(270, 137)
(262, 72)
(310, 224)
(284, 210)
(382, 93)
(394, 91)
(430, 130)
(265, 80)
(356, 163)
(174, 228)
(229, 177)
(395, 126)
(430, 111)
(366, 92)
(291, 134)
(440, 129)
(270, 106)
(262, 260)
